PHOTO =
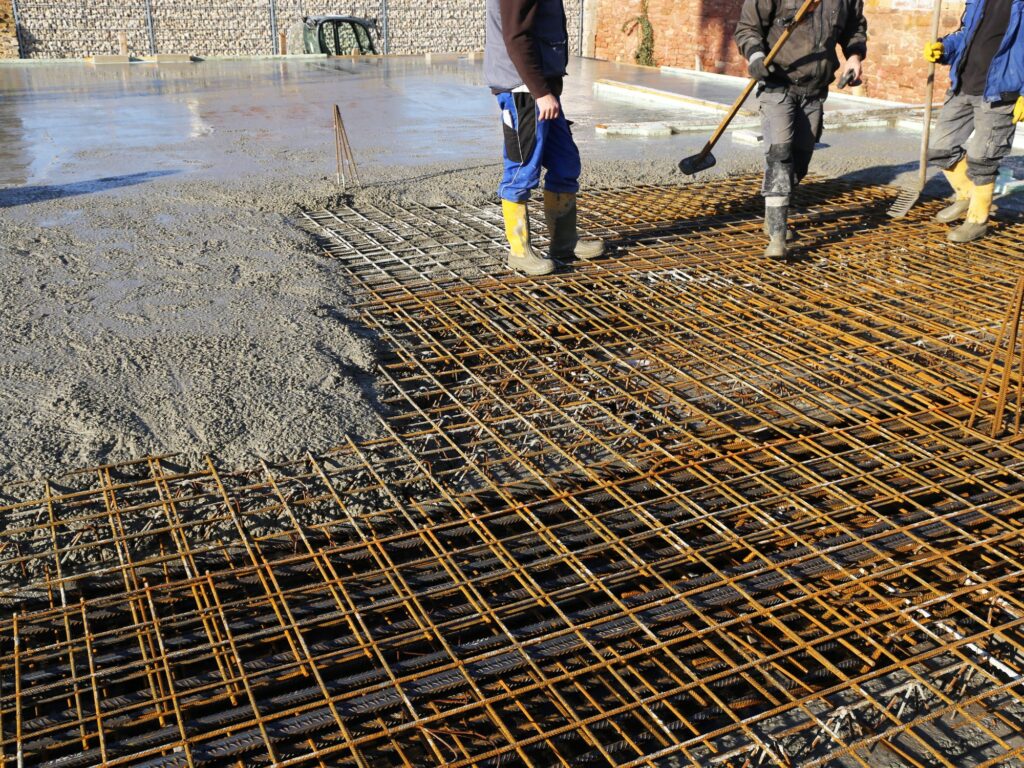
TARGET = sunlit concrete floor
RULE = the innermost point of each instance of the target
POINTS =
(73, 122)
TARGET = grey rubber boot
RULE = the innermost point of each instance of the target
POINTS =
(976, 226)
(968, 232)
(560, 215)
(954, 211)
(790, 232)
(775, 212)
(958, 209)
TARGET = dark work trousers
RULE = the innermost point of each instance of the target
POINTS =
(791, 124)
(992, 127)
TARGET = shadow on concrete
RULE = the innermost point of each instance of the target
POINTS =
(879, 175)
(937, 186)
(14, 196)
(747, 208)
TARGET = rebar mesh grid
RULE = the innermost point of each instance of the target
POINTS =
(681, 506)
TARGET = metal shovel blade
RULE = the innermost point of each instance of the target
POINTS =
(906, 200)
(697, 163)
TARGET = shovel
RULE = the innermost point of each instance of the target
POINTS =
(704, 159)
(908, 198)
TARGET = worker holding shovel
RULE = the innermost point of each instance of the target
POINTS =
(975, 128)
(794, 85)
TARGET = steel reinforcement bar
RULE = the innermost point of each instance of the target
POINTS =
(680, 506)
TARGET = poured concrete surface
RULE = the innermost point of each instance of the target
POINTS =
(222, 119)
(154, 295)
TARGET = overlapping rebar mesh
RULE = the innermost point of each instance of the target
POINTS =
(682, 506)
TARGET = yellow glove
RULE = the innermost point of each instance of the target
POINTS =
(1018, 110)
(933, 52)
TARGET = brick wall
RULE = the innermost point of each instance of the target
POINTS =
(698, 34)
(78, 28)
(8, 38)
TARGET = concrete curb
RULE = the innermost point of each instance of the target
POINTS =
(664, 128)
(97, 60)
(741, 81)
(644, 95)
(168, 58)
(286, 57)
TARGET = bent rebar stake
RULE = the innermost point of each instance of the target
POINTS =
(343, 151)
(1010, 331)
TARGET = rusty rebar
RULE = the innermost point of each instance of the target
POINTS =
(682, 505)
(1009, 333)
(346, 161)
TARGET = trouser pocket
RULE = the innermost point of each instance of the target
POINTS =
(519, 125)
(992, 141)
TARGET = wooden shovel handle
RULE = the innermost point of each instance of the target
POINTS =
(929, 91)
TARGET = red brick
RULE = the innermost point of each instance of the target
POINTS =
(685, 29)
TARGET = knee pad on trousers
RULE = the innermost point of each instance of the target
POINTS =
(946, 159)
(982, 171)
(778, 171)
(780, 153)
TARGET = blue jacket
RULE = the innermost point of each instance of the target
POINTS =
(1006, 75)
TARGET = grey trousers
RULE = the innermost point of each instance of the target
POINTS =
(992, 127)
(791, 125)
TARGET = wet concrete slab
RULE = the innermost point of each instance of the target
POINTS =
(64, 123)
(725, 90)
(68, 121)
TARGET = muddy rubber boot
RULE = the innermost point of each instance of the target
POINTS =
(962, 186)
(791, 234)
(522, 257)
(775, 211)
(976, 226)
(560, 214)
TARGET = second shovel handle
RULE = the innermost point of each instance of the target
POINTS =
(929, 91)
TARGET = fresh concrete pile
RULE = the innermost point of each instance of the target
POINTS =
(193, 318)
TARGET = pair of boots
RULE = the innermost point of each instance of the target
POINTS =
(972, 199)
(560, 215)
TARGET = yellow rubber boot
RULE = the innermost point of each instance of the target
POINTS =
(522, 257)
(962, 187)
(976, 225)
(560, 214)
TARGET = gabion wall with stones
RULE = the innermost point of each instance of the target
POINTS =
(79, 28)
(69, 28)
(8, 40)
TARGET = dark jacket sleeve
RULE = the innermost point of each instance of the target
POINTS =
(752, 28)
(517, 17)
(855, 37)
